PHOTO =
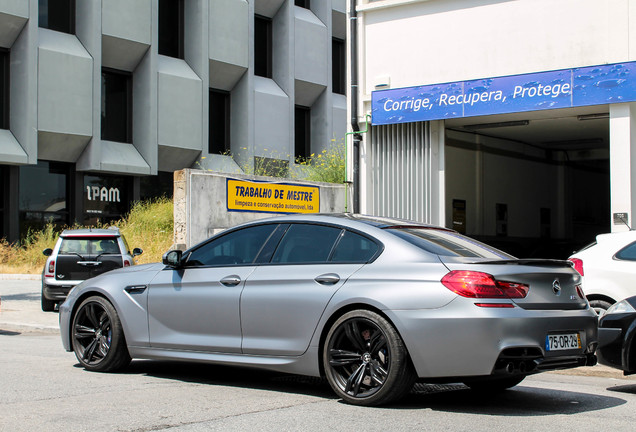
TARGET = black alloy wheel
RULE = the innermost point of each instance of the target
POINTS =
(365, 360)
(600, 306)
(98, 338)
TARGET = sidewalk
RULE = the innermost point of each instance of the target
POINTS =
(21, 309)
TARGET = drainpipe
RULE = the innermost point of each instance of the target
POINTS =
(357, 138)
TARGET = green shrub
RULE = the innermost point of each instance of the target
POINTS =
(328, 166)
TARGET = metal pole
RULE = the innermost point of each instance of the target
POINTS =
(353, 97)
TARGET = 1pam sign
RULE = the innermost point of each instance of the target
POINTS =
(95, 193)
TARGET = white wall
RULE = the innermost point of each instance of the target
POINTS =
(623, 162)
(427, 42)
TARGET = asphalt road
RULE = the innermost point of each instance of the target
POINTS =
(42, 387)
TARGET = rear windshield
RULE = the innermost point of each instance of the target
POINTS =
(586, 247)
(447, 243)
(89, 246)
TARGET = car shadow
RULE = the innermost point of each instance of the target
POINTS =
(518, 401)
(630, 388)
(21, 296)
(9, 333)
(202, 373)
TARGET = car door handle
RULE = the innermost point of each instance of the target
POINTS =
(328, 279)
(231, 281)
(89, 263)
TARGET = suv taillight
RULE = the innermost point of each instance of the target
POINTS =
(126, 263)
(51, 268)
(578, 265)
(474, 284)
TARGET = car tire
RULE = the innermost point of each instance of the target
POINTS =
(365, 360)
(47, 305)
(493, 385)
(98, 337)
(600, 306)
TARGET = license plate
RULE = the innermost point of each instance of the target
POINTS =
(558, 342)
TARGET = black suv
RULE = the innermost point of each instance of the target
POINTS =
(81, 254)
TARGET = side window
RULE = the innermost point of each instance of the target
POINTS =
(306, 244)
(238, 247)
(126, 245)
(268, 250)
(353, 247)
(628, 253)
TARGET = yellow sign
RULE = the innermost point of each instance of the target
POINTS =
(272, 197)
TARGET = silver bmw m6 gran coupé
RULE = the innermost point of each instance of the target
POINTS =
(372, 304)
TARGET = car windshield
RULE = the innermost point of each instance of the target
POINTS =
(89, 246)
(446, 243)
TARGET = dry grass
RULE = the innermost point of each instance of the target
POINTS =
(149, 225)
(27, 258)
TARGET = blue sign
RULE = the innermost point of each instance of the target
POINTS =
(567, 88)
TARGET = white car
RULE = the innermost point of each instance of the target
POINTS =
(81, 254)
(608, 267)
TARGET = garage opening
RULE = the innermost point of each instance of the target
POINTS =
(533, 184)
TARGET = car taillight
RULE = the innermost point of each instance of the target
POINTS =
(51, 268)
(580, 292)
(474, 284)
(126, 263)
(578, 265)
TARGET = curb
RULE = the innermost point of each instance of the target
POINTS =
(9, 276)
(35, 328)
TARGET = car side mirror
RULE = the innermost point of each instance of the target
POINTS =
(137, 252)
(173, 258)
(47, 252)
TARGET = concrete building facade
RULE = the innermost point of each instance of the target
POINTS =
(511, 121)
(102, 100)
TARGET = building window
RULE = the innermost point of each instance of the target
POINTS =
(116, 106)
(262, 46)
(58, 15)
(171, 28)
(338, 66)
(4, 89)
(219, 122)
(302, 132)
(106, 198)
(158, 186)
(44, 195)
(4, 184)
(303, 4)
